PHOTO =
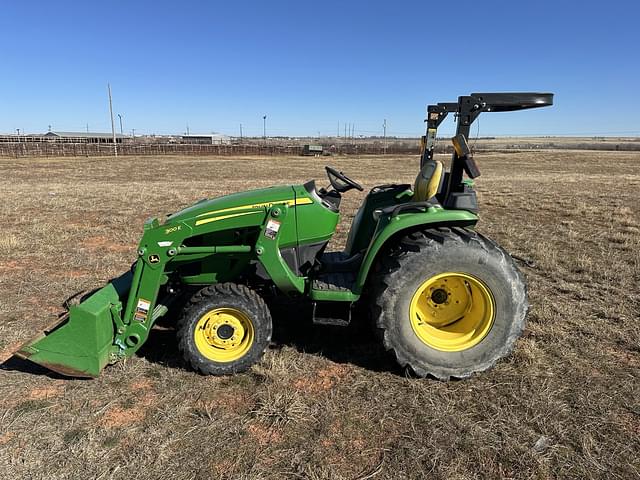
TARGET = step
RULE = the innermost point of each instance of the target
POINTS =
(332, 313)
(334, 287)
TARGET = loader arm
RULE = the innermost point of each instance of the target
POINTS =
(114, 322)
(155, 254)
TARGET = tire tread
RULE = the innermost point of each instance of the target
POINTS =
(391, 266)
(220, 292)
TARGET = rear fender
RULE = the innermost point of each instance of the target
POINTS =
(391, 227)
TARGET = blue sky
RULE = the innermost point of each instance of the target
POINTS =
(309, 65)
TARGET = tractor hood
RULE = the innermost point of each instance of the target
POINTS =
(252, 198)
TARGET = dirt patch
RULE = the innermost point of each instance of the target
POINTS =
(6, 437)
(628, 358)
(41, 306)
(103, 243)
(47, 392)
(322, 380)
(121, 417)
(630, 421)
(264, 435)
(142, 385)
(232, 401)
(77, 273)
(144, 389)
(10, 265)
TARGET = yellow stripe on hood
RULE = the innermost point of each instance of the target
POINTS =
(223, 217)
(291, 202)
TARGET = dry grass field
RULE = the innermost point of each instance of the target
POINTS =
(327, 403)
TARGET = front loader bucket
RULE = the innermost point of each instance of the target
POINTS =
(79, 344)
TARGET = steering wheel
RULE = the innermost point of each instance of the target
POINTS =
(345, 183)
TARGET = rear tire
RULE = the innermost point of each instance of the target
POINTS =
(441, 331)
(224, 329)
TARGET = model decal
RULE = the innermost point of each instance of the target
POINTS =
(290, 203)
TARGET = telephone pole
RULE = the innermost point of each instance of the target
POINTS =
(384, 134)
(264, 127)
(240, 133)
(113, 125)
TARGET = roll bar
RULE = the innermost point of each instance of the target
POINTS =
(466, 110)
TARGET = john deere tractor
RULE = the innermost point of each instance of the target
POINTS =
(446, 300)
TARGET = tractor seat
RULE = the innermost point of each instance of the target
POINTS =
(426, 187)
(428, 181)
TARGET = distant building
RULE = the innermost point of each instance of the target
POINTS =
(312, 150)
(82, 137)
(206, 139)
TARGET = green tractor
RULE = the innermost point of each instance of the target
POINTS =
(447, 301)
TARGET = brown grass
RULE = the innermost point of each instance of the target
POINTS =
(326, 403)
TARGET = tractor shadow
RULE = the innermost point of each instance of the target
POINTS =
(355, 344)
(292, 327)
(162, 347)
(17, 364)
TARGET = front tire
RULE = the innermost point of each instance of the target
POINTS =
(224, 329)
(448, 302)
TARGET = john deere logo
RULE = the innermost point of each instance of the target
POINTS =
(154, 258)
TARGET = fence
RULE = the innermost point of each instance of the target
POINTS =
(49, 149)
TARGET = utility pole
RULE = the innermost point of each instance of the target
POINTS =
(384, 128)
(240, 133)
(264, 127)
(113, 125)
(133, 133)
(187, 129)
(120, 118)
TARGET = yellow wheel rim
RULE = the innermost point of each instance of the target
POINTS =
(452, 311)
(224, 334)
